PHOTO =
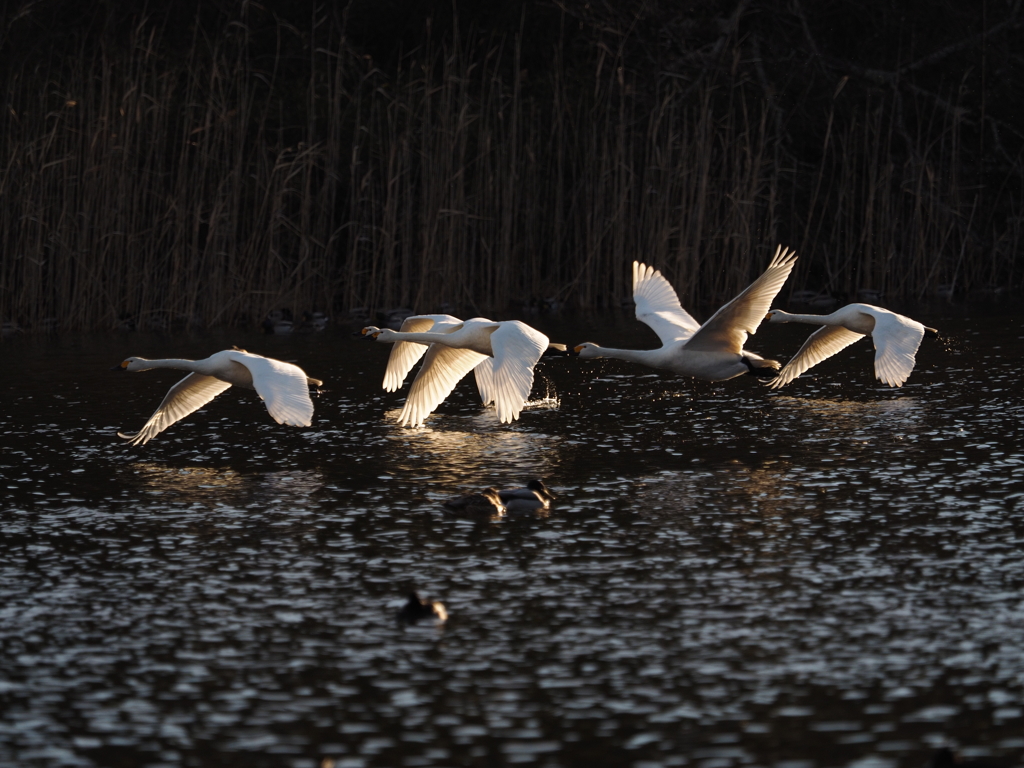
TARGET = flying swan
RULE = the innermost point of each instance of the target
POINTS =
(713, 351)
(283, 387)
(503, 355)
(896, 340)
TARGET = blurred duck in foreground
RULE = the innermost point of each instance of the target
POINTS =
(283, 387)
(896, 339)
(535, 496)
(502, 354)
(416, 609)
(712, 351)
(947, 758)
(487, 501)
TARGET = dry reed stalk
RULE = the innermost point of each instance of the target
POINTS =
(140, 189)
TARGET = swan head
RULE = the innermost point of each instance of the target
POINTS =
(776, 316)
(587, 350)
(556, 350)
(133, 364)
(371, 332)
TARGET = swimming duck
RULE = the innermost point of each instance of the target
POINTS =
(947, 758)
(314, 321)
(279, 322)
(416, 609)
(487, 501)
(533, 497)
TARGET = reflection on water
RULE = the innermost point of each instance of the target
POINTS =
(822, 419)
(300, 484)
(191, 484)
(831, 575)
(840, 414)
(479, 456)
(158, 478)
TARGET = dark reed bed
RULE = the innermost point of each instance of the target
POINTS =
(206, 182)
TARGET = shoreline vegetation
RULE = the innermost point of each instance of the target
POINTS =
(161, 173)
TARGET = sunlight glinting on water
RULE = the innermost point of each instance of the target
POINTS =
(826, 575)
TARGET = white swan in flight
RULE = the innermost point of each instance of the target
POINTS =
(503, 354)
(284, 388)
(713, 351)
(896, 340)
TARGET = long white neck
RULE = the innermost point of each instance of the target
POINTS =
(426, 337)
(478, 341)
(181, 365)
(785, 317)
(649, 357)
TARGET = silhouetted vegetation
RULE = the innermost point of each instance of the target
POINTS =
(203, 163)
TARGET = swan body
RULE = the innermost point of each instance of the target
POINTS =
(502, 355)
(896, 339)
(712, 351)
(534, 496)
(416, 609)
(283, 387)
(486, 501)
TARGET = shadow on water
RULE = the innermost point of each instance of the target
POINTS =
(826, 575)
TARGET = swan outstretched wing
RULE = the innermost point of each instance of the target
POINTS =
(820, 345)
(729, 327)
(517, 347)
(187, 396)
(485, 380)
(896, 340)
(405, 354)
(282, 386)
(658, 306)
(443, 367)
(485, 372)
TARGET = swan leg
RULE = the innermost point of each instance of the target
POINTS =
(769, 369)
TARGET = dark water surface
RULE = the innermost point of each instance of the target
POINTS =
(830, 575)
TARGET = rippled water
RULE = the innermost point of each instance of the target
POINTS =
(830, 575)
